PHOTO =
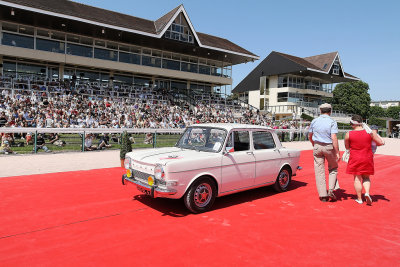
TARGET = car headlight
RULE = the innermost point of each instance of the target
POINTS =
(127, 163)
(159, 172)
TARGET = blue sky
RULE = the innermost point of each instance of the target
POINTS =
(365, 33)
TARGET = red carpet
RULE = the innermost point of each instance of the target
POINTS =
(87, 218)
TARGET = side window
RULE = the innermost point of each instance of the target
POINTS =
(239, 140)
(263, 140)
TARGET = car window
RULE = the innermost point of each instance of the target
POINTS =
(239, 140)
(202, 139)
(263, 140)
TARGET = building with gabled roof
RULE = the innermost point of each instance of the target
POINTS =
(61, 39)
(287, 85)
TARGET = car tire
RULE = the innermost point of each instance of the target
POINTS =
(283, 180)
(201, 195)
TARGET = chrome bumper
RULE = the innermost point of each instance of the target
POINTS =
(153, 191)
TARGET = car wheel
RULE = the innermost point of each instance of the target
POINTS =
(201, 195)
(283, 180)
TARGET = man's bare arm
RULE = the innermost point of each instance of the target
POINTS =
(335, 144)
(310, 138)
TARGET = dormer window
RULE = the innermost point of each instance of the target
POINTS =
(180, 30)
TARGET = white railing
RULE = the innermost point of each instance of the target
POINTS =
(87, 130)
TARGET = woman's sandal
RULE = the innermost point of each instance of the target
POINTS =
(368, 199)
(358, 201)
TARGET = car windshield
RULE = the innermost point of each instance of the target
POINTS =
(202, 139)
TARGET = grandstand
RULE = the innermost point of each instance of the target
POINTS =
(61, 46)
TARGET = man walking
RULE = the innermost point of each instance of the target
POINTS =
(322, 135)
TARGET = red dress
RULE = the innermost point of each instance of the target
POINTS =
(361, 160)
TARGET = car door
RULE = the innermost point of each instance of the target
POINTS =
(238, 165)
(267, 156)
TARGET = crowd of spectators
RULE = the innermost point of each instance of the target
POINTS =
(79, 111)
(76, 109)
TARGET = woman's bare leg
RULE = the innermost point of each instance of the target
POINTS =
(367, 186)
(366, 183)
(358, 186)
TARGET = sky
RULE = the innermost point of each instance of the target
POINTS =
(366, 33)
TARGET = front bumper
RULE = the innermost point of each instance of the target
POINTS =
(154, 191)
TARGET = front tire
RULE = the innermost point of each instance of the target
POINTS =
(283, 180)
(201, 195)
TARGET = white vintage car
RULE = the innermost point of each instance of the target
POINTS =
(212, 160)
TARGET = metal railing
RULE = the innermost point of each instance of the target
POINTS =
(25, 140)
(73, 139)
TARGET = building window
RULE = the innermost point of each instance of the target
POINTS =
(77, 45)
(171, 64)
(282, 81)
(336, 67)
(178, 85)
(142, 81)
(79, 50)
(151, 61)
(17, 40)
(189, 67)
(204, 69)
(290, 97)
(129, 58)
(180, 30)
(123, 79)
(105, 54)
(50, 46)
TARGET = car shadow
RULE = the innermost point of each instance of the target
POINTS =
(176, 207)
(342, 195)
(252, 195)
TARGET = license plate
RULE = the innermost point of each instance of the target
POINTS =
(147, 192)
(128, 173)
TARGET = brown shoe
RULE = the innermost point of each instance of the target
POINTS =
(331, 195)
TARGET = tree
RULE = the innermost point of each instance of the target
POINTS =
(352, 98)
(393, 112)
(377, 112)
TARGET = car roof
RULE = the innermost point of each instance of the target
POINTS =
(230, 126)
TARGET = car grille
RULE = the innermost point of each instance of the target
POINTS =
(144, 176)
(141, 175)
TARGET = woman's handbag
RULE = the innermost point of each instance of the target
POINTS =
(346, 156)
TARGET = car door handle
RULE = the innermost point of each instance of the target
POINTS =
(249, 153)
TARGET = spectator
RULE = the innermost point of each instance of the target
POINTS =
(53, 137)
(104, 142)
(322, 135)
(89, 142)
(41, 144)
(3, 119)
(361, 160)
(28, 138)
(5, 148)
(148, 139)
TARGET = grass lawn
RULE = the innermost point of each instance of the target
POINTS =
(74, 142)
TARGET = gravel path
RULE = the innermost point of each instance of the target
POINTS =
(16, 165)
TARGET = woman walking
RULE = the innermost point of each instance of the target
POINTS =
(361, 160)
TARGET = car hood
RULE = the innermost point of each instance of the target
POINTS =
(167, 155)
